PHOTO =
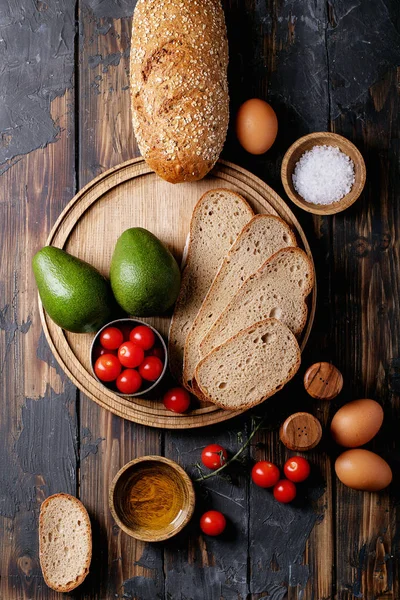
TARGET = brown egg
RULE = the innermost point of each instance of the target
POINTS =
(363, 470)
(256, 126)
(356, 423)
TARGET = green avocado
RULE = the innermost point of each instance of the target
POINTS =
(144, 276)
(74, 294)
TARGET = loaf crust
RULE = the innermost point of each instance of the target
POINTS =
(179, 89)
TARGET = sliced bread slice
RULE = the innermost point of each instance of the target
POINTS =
(277, 290)
(262, 237)
(65, 542)
(218, 218)
(250, 367)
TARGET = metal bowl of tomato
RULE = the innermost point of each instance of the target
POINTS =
(129, 357)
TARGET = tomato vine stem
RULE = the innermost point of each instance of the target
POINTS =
(234, 457)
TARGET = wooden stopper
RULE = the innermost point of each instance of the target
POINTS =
(301, 431)
(323, 381)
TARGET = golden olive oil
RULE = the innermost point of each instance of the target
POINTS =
(154, 497)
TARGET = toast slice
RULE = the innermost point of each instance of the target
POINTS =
(218, 218)
(65, 542)
(250, 367)
(277, 290)
(262, 237)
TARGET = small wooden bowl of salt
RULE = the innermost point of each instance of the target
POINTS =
(323, 173)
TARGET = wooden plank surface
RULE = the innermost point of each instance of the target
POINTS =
(128, 569)
(323, 66)
(39, 429)
(365, 284)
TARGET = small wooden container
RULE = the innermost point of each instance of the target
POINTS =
(301, 432)
(323, 381)
(307, 142)
(151, 498)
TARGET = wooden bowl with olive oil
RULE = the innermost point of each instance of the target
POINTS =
(151, 498)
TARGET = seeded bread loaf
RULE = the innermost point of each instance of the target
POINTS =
(65, 542)
(179, 90)
(262, 237)
(277, 290)
(218, 218)
(249, 367)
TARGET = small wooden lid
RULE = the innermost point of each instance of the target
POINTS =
(323, 381)
(301, 431)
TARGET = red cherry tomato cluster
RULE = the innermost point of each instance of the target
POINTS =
(265, 474)
(128, 357)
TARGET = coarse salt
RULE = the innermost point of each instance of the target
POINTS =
(323, 175)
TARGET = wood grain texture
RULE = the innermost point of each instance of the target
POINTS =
(38, 410)
(300, 432)
(123, 565)
(133, 195)
(38, 424)
(323, 381)
(323, 66)
(291, 42)
(369, 339)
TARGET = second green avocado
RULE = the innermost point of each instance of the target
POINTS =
(145, 277)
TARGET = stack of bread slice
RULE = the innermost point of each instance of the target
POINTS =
(242, 305)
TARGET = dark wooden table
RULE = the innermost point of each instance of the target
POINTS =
(64, 119)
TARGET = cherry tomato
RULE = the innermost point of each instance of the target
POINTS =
(177, 399)
(130, 355)
(284, 491)
(151, 368)
(157, 351)
(214, 456)
(129, 381)
(111, 338)
(265, 474)
(212, 522)
(297, 469)
(99, 351)
(107, 367)
(143, 336)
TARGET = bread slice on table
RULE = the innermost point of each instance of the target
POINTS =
(65, 542)
(249, 367)
(262, 237)
(277, 290)
(218, 218)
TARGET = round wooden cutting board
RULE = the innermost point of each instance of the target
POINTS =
(131, 195)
